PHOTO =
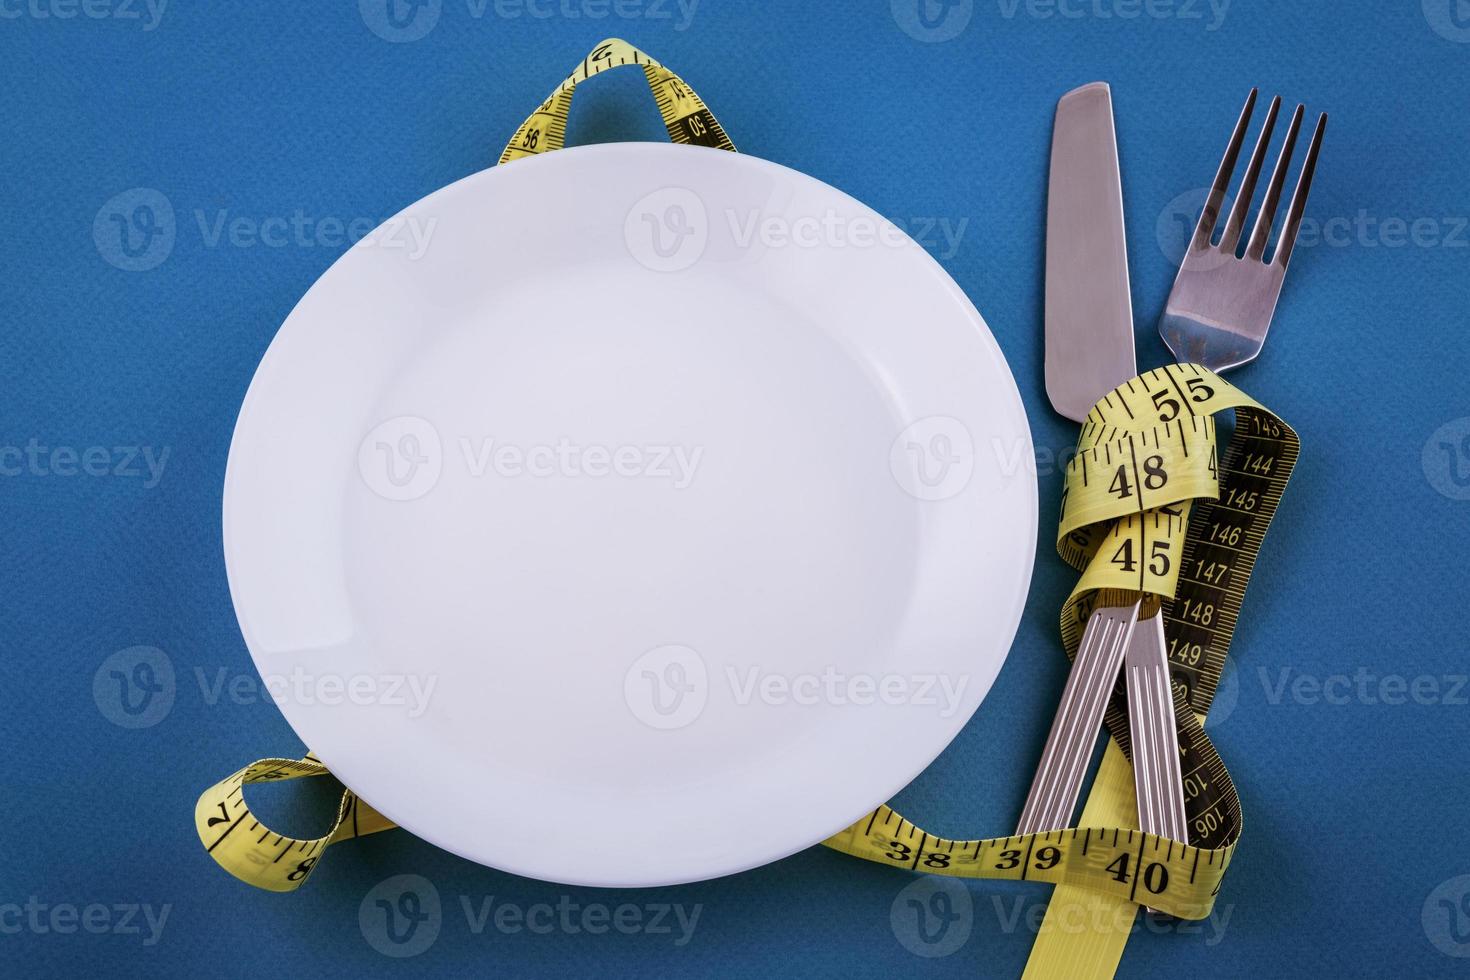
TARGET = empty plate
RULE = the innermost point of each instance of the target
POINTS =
(630, 515)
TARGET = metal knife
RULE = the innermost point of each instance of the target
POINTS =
(1089, 313)
(1089, 352)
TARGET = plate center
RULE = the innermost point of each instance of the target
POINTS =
(693, 467)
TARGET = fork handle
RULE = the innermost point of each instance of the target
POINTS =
(1152, 727)
(1157, 779)
(1058, 779)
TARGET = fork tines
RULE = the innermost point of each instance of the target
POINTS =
(1261, 232)
(1221, 306)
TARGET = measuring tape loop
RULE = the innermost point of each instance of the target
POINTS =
(255, 854)
(684, 113)
(1148, 507)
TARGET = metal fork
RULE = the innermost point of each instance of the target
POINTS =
(1158, 781)
(1221, 306)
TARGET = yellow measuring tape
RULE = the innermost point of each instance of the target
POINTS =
(1145, 459)
(685, 115)
(1149, 506)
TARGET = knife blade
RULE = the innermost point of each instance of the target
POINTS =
(1089, 312)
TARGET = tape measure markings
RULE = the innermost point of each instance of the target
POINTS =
(685, 116)
(1112, 502)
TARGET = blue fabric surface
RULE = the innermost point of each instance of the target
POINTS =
(1344, 716)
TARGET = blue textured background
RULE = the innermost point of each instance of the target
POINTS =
(1355, 805)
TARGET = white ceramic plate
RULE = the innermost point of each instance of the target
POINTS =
(633, 515)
